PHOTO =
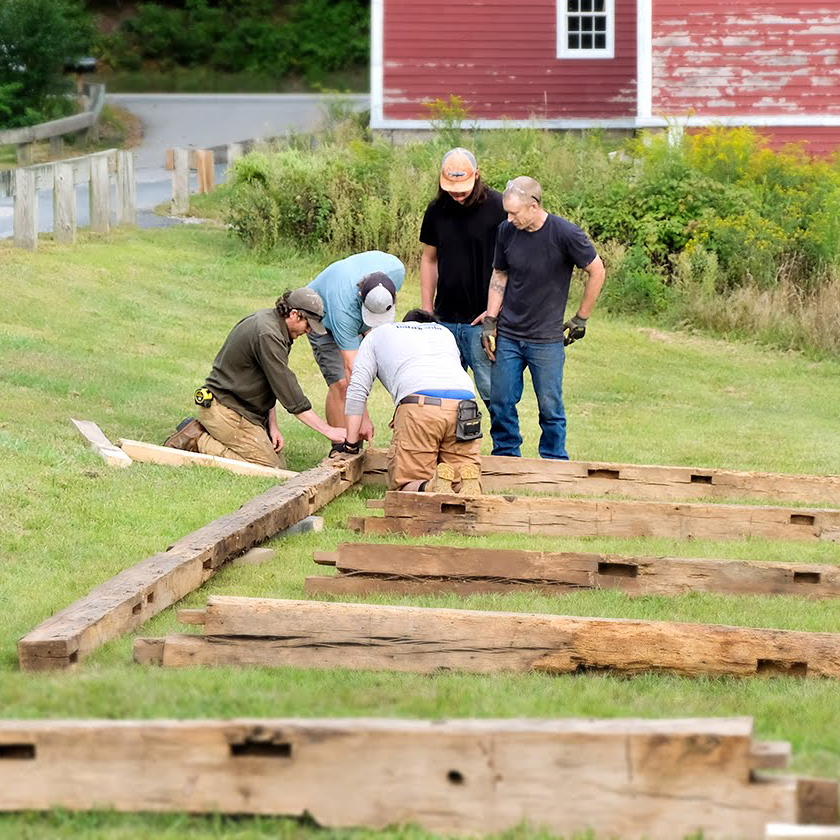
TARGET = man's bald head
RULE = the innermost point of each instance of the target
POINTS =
(524, 188)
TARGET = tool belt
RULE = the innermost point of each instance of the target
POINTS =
(203, 397)
(468, 419)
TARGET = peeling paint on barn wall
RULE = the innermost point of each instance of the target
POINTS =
(782, 58)
(501, 60)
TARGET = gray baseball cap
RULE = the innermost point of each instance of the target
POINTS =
(379, 298)
(309, 303)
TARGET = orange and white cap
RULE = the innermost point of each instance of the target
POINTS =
(458, 170)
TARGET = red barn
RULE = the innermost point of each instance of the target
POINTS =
(623, 64)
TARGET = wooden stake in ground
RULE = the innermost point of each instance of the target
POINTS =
(123, 603)
(431, 513)
(638, 481)
(421, 569)
(309, 634)
(619, 778)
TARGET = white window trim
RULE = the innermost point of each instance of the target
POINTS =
(563, 50)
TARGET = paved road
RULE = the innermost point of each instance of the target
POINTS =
(204, 120)
(199, 120)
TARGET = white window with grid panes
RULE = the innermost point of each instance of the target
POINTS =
(585, 28)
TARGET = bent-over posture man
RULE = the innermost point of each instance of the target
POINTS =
(536, 252)
(459, 239)
(359, 293)
(436, 424)
(237, 416)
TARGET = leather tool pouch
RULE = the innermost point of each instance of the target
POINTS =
(468, 423)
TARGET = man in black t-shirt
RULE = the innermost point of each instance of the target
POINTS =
(459, 239)
(523, 325)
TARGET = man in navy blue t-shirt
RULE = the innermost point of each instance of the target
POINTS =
(524, 326)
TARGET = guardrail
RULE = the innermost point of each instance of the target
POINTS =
(55, 130)
(62, 177)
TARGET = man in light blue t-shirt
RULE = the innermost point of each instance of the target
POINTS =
(359, 293)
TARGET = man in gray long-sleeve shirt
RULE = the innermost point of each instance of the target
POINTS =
(250, 374)
(419, 364)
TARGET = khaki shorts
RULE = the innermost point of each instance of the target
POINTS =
(230, 435)
(424, 436)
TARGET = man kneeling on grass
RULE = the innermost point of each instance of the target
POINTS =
(251, 372)
(437, 425)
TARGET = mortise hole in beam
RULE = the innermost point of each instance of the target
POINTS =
(135, 610)
(262, 749)
(782, 667)
(16, 752)
(455, 777)
(453, 507)
(150, 598)
(208, 564)
(701, 479)
(73, 658)
(626, 570)
(602, 473)
(801, 519)
(806, 577)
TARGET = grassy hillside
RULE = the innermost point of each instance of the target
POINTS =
(121, 331)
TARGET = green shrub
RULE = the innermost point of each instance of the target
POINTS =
(315, 37)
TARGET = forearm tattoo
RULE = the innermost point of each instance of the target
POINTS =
(498, 281)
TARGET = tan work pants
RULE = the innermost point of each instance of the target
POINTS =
(424, 436)
(230, 435)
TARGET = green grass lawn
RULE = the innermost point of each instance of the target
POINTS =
(120, 330)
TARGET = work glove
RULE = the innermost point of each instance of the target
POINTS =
(576, 326)
(344, 448)
(488, 336)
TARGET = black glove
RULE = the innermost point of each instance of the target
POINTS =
(576, 326)
(488, 335)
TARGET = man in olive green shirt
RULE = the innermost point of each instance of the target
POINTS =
(237, 416)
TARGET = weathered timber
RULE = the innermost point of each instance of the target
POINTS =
(429, 513)
(151, 453)
(617, 778)
(100, 195)
(123, 603)
(64, 204)
(409, 569)
(99, 443)
(204, 168)
(783, 831)
(638, 481)
(309, 634)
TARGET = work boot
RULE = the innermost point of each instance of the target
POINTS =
(186, 435)
(441, 481)
(470, 480)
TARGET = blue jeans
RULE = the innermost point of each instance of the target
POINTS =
(473, 356)
(545, 361)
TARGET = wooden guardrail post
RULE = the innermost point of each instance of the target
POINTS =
(100, 211)
(204, 168)
(64, 204)
(126, 190)
(24, 154)
(180, 182)
(25, 209)
(234, 152)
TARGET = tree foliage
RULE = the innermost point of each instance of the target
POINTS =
(37, 37)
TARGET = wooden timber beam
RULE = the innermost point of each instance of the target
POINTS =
(111, 454)
(152, 454)
(596, 478)
(622, 777)
(430, 513)
(123, 603)
(422, 569)
(311, 634)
